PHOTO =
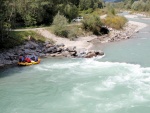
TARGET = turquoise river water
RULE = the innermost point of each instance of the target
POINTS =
(117, 83)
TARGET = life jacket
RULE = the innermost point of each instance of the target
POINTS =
(27, 59)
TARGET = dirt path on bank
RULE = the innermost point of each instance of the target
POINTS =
(80, 43)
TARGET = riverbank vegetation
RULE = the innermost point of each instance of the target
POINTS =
(116, 22)
(134, 5)
(56, 13)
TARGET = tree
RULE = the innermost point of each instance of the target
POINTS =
(4, 21)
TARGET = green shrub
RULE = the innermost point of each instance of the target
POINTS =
(116, 22)
(60, 25)
(92, 23)
(74, 31)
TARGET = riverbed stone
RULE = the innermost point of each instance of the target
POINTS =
(60, 45)
(90, 55)
(48, 45)
(71, 48)
(49, 50)
(65, 53)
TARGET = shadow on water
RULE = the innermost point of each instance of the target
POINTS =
(10, 70)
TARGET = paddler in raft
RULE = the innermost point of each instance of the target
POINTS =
(25, 58)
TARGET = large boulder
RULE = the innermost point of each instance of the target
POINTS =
(99, 52)
(50, 50)
(71, 48)
(90, 55)
(59, 49)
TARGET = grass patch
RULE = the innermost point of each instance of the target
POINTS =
(116, 22)
(17, 38)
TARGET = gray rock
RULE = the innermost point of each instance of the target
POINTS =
(60, 45)
(48, 45)
(65, 53)
(33, 44)
(1, 65)
(59, 49)
(8, 62)
(38, 50)
(32, 47)
(49, 50)
(99, 52)
(14, 61)
(56, 55)
(74, 53)
(42, 55)
(27, 46)
(90, 55)
(54, 50)
(71, 48)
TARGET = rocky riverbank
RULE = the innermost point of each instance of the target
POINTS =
(116, 35)
(46, 49)
(79, 48)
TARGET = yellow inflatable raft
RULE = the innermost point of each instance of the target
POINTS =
(28, 64)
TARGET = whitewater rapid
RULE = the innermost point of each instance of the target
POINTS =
(75, 85)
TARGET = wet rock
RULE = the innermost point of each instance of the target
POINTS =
(99, 52)
(90, 54)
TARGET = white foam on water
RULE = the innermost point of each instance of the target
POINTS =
(108, 86)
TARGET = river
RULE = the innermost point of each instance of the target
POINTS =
(117, 83)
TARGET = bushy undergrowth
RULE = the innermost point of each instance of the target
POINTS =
(63, 29)
(116, 22)
(92, 23)
(60, 23)
(99, 11)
